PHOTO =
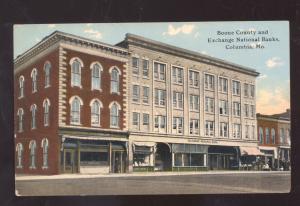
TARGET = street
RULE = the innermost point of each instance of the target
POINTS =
(200, 183)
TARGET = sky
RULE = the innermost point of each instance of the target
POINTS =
(271, 61)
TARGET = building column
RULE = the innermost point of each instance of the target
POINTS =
(130, 157)
(110, 157)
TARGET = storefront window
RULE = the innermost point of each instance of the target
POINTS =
(188, 159)
(141, 160)
(94, 158)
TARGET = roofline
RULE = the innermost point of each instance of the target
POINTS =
(189, 52)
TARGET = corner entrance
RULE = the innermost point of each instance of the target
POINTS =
(163, 157)
(69, 163)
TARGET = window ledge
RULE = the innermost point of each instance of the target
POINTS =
(146, 104)
(178, 84)
(47, 86)
(21, 97)
(79, 86)
(160, 106)
(159, 80)
(133, 102)
(45, 167)
(114, 127)
(145, 77)
(194, 87)
(19, 167)
(74, 123)
(117, 93)
(206, 89)
(31, 167)
(223, 92)
(176, 108)
(96, 89)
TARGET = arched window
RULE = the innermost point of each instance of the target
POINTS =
(76, 73)
(19, 150)
(20, 119)
(32, 148)
(261, 135)
(33, 116)
(21, 86)
(273, 135)
(114, 80)
(46, 105)
(96, 106)
(267, 136)
(45, 146)
(47, 69)
(75, 102)
(96, 76)
(114, 114)
(34, 78)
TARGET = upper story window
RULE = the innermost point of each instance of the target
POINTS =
(209, 105)
(194, 102)
(115, 80)
(46, 105)
(34, 80)
(135, 65)
(32, 148)
(160, 97)
(288, 136)
(209, 82)
(160, 123)
(45, 147)
(252, 91)
(261, 135)
(159, 71)
(177, 100)
(236, 131)
(273, 135)
(247, 131)
(209, 128)
(20, 119)
(177, 75)
(33, 116)
(246, 90)
(236, 87)
(282, 136)
(21, 86)
(194, 126)
(76, 66)
(236, 109)
(76, 104)
(177, 125)
(193, 78)
(146, 95)
(136, 119)
(19, 149)
(223, 129)
(223, 85)
(223, 107)
(47, 70)
(96, 76)
(146, 119)
(252, 111)
(135, 93)
(145, 68)
(114, 114)
(267, 136)
(96, 106)
(247, 110)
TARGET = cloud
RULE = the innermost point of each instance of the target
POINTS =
(93, 33)
(51, 25)
(272, 101)
(263, 76)
(185, 29)
(274, 62)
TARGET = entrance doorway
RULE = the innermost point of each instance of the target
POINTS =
(69, 163)
(163, 157)
(220, 161)
(118, 164)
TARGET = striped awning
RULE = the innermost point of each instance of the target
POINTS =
(250, 151)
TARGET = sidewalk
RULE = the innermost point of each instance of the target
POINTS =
(139, 174)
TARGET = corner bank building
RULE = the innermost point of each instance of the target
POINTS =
(83, 106)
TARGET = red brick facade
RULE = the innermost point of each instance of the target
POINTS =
(264, 124)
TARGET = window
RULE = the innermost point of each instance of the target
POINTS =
(160, 97)
(114, 80)
(145, 119)
(96, 106)
(247, 132)
(34, 78)
(146, 95)
(288, 136)
(246, 89)
(33, 116)
(177, 125)
(189, 159)
(273, 135)
(209, 128)
(160, 123)
(236, 109)
(177, 100)
(252, 91)
(135, 65)
(236, 131)
(45, 146)
(20, 119)
(252, 111)
(19, 150)
(236, 87)
(223, 85)
(247, 110)
(267, 136)
(32, 148)
(21, 86)
(261, 135)
(46, 106)
(135, 93)
(76, 102)
(209, 82)
(114, 115)
(194, 102)
(223, 107)
(96, 76)
(177, 74)
(223, 129)
(209, 105)
(282, 137)
(145, 68)
(47, 69)
(135, 119)
(76, 73)
(194, 78)
(159, 71)
(194, 126)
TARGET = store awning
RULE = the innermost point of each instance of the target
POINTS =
(145, 144)
(189, 148)
(250, 151)
(266, 150)
(143, 147)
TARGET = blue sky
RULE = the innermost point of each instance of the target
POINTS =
(273, 90)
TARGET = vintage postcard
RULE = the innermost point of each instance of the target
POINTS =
(152, 108)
